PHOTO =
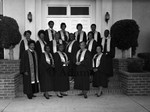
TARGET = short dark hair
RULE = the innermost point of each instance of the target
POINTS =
(100, 47)
(28, 31)
(30, 42)
(91, 33)
(41, 31)
(50, 22)
(62, 25)
(93, 25)
(79, 24)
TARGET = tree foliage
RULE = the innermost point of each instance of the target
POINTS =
(125, 33)
(9, 32)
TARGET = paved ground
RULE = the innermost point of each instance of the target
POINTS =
(73, 103)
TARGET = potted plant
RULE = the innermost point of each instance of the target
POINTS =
(9, 34)
(125, 33)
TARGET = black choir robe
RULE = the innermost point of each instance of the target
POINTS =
(51, 46)
(38, 49)
(46, 76)
(99, 39)
(72, 57)
(78, 39)
(61, 79)
(93, 50)
(21, 48)
(28, 88)
(46, 37)
(110, 55)
(82, 78)
(66, 40)
(100, 77)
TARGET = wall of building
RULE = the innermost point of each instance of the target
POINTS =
(141, 13)
(1, 7)
(16, 10)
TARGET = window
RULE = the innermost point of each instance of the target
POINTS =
(57, 11)
(79, 10)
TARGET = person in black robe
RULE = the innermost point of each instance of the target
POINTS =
(83, 67)
(91, 44)
(55, 43)
(97, 35)
(109, 51)
(24, 42)
(46, 76)
(80, 35)
(50, 32)
(71, 50)
(40, 43)
(29, 69)
(64, 35)
(99, 69)
(61, 79)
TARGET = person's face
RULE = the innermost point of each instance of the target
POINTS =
(63, 27)
(47, 49)
(57, 36)
(51, 25)
(27, 36)
(72, 37)
(93, 28)
(106, 33)
(79, 28)
(82, 45)
(32, 46)
(90, 36)
(61, 48)
(41, 36)
(98, 49)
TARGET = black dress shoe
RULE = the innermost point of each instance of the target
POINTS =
(63, 94)
(85, 96)
(98, 95)
(50, 95)
(60, 96)
(33, 95)
(47, 97)
(29, 96)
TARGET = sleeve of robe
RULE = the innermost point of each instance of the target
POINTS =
(24, 63)
(46, 38)
(112, 49)
(21, 49)
(99, 39)
(87, 62)
(38, 49)
(84, 37)
(58, 63)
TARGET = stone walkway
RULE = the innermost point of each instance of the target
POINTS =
(74, 103)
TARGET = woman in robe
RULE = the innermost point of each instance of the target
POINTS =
(64, 35)
(80, 35)
(61, 79)
(24, 42)
(83, 66)
(40, 43)
(46, 76)
(29, 69)
(99, 68)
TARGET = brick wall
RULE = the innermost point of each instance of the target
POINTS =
(10, 79)
(135, 83)
(132, 83)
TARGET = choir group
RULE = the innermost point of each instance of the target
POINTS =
(57, 58)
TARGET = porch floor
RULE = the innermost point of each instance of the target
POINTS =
(106, 103)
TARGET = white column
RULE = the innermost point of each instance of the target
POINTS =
(106, 7)
(98, 15)
(30, 7)
(38, 15)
